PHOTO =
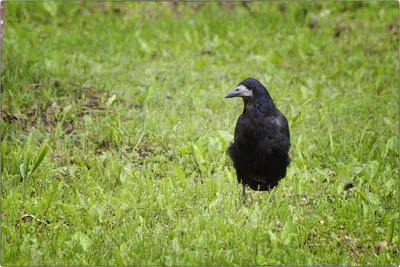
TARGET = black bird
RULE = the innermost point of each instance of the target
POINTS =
(262, 138)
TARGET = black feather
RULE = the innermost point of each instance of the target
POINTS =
(262, 139)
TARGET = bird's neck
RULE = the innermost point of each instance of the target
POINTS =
(248, 105)
(265, 107)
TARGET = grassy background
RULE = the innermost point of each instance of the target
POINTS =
(114, 131)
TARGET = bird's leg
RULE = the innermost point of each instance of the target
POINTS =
(244, 187)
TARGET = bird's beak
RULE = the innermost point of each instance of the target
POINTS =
(240, 91)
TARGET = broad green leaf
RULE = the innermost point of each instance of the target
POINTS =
(371, 197)
(85, 241)
(66, 109)
(392, 144)
(104, 134)
(199, 158)
(287, 229)
(224, 135)
(111, 100)
(374, 167)
(51, 8)
(179, 172)
(158, 158)
(22, 171)
(144, 45)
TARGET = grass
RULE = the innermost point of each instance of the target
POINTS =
(114, 131)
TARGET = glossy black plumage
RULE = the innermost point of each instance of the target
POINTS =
(262, 138)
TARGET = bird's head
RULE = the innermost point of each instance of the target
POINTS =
(253, 93)
(248, 88)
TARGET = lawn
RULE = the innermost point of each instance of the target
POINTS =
(114, 130)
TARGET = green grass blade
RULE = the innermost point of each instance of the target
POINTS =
(42, 153)
(3, 154)
(27, 161)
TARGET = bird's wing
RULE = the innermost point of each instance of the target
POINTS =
(282, 124)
